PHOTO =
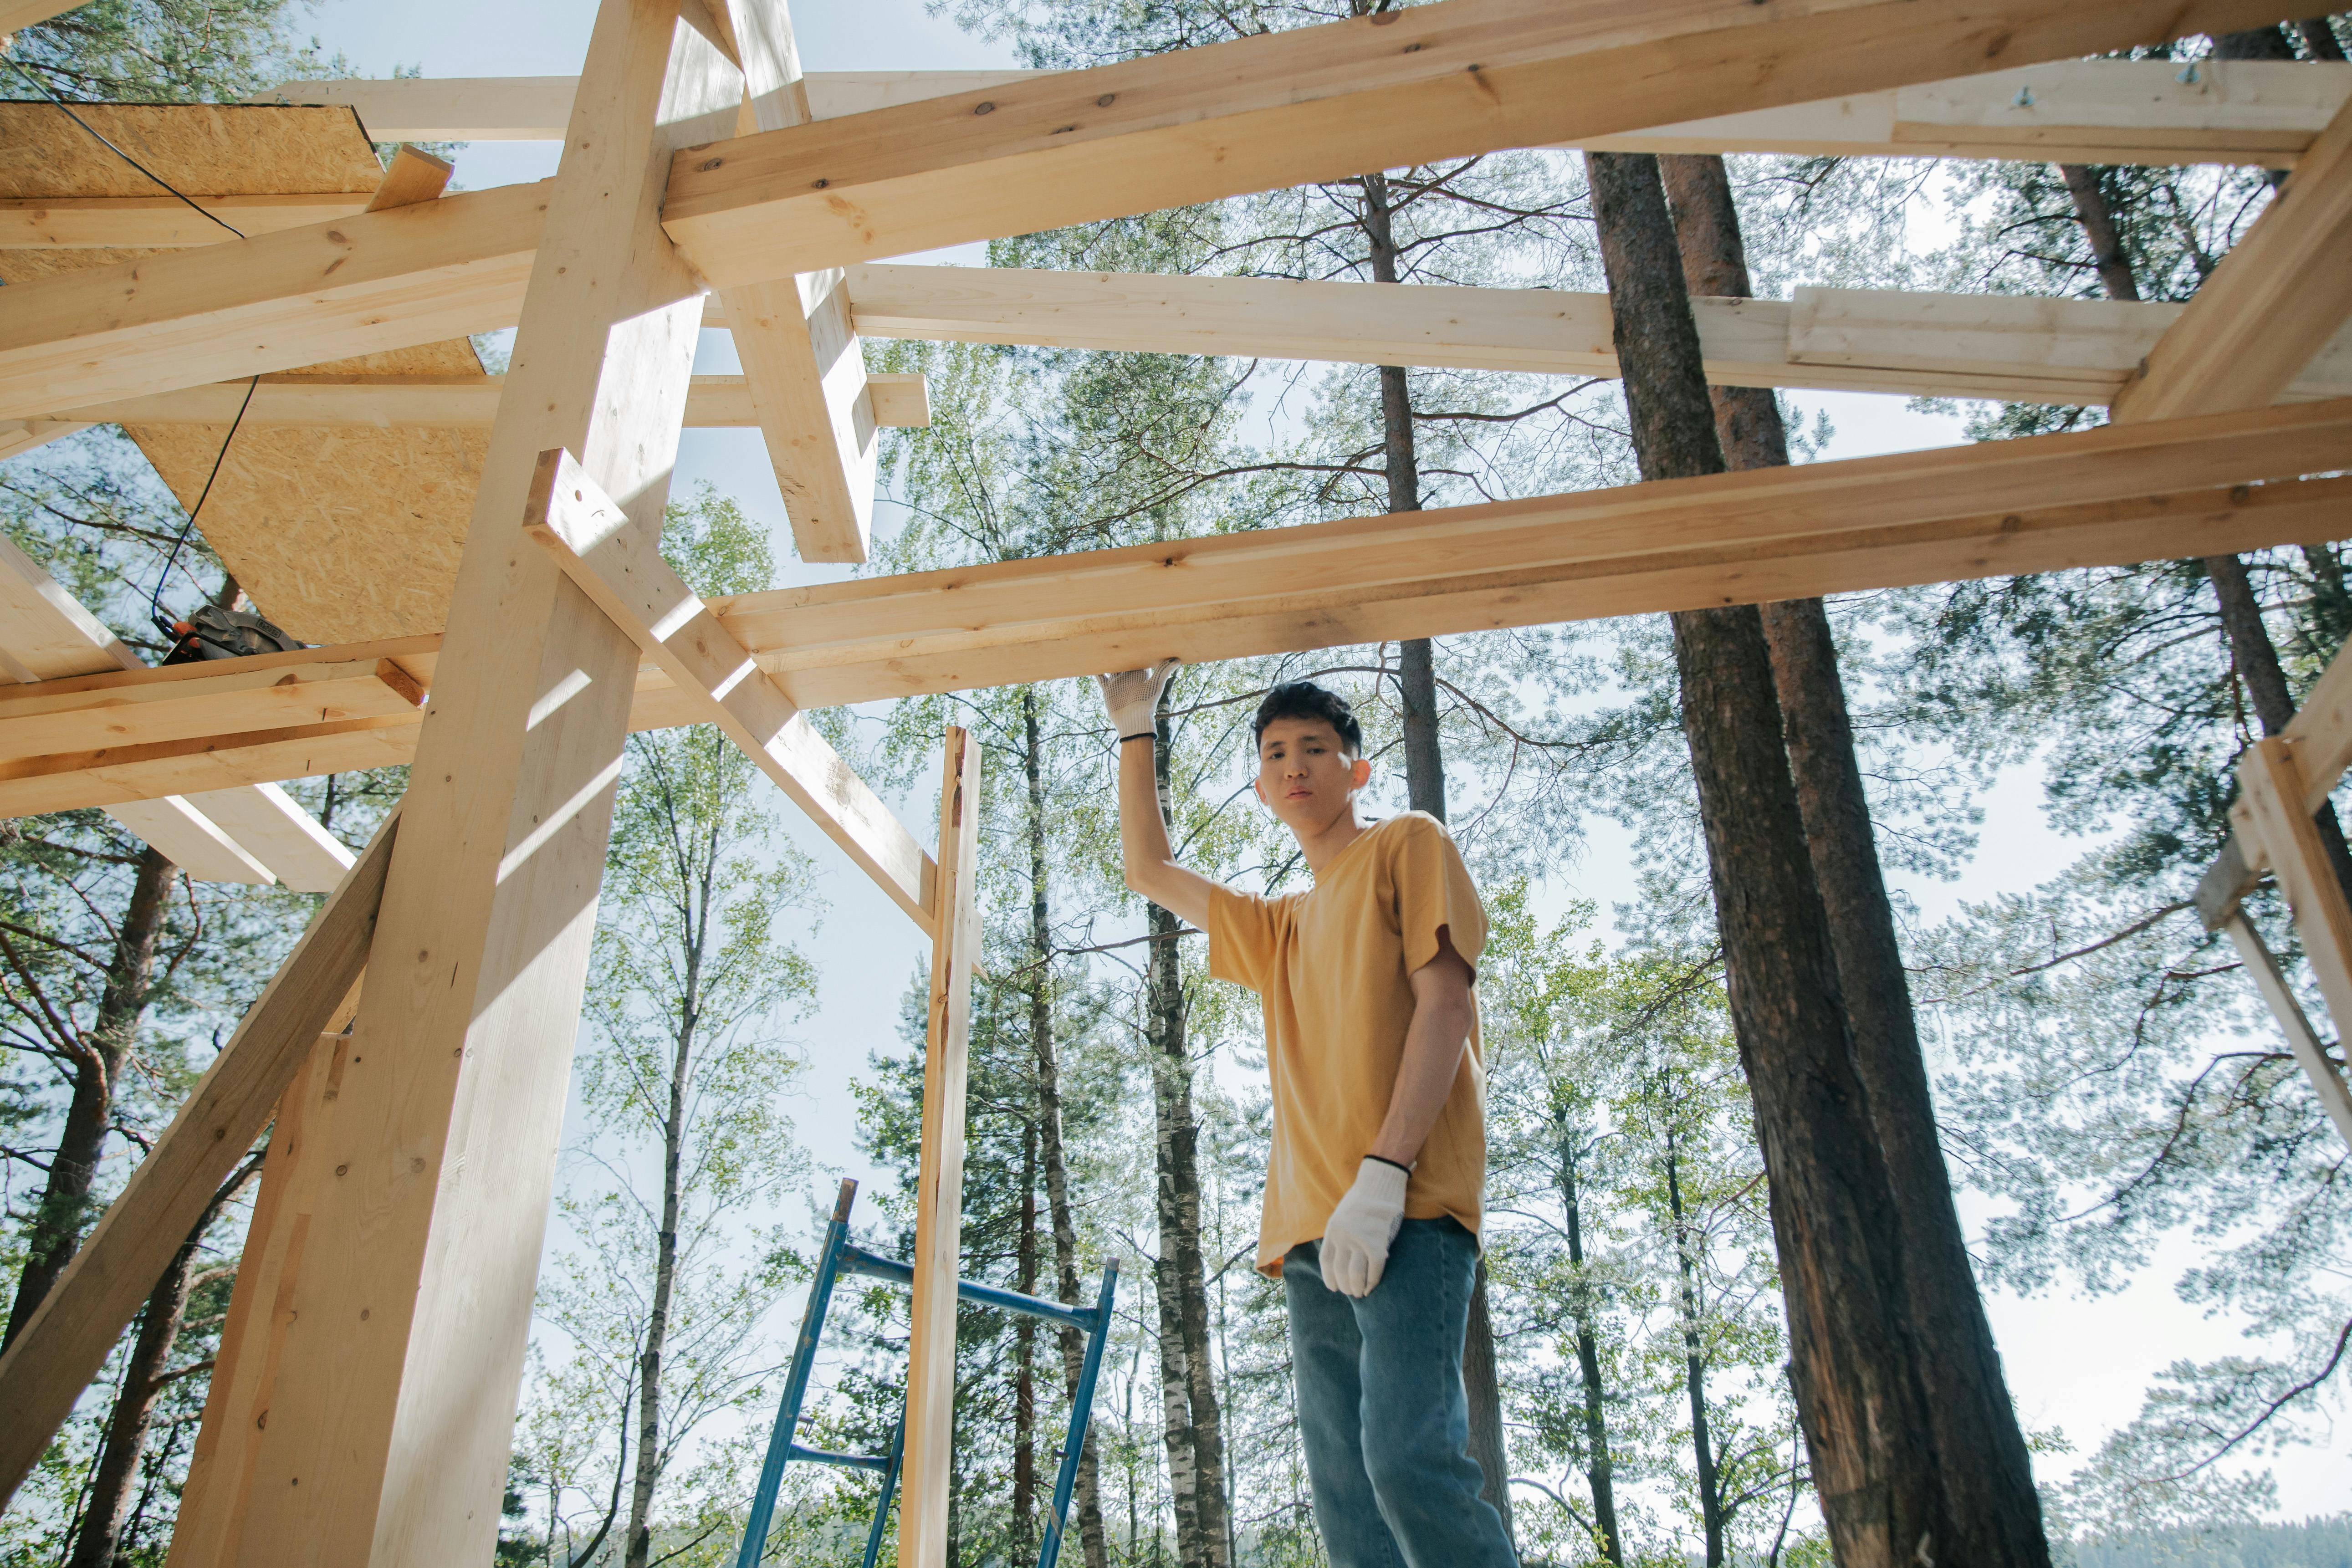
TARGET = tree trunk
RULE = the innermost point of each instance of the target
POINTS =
(65, 1205)
(1599, 1473)
(1710, 1491)
(1987, 1473)
(1049, 1128)
(1424, 769)
(639, 1542)
(1179, 1273)
(1025, 1356)
(1854, 1367)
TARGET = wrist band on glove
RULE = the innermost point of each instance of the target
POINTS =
(1386, 1161)
(1139, 735)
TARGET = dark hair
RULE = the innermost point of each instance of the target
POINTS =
(1305, 700)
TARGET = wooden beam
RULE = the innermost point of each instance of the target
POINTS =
(2271, 810)
(801, 356)
(2286, 288)
(273, 302)
(930, 1433)
(622, 572)
(61, 1347)
(90, 223)
(2321, 735)
(392, 1414)
(712, 402)
(2326, 1077)
(2105, 497)
(2090, 111)
(411, 178)
(2110, 495)
(211, 1514)
(1326, 102)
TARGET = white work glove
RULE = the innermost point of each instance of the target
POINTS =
(1133, 697)
(1356, 1241)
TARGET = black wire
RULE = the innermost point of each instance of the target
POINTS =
(156, 600)
(117, 151)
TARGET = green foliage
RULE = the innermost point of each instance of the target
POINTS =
(166, 51)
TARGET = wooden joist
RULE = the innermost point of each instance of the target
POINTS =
(2104, 496)
(1450, 79)
(2286, 288)
(622, 571)
(62, 1347)
(2088, 112)
(713, 402)
(91, 222)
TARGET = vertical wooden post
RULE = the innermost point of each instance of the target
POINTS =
(391, 1415)
(2271, 808)
(237, 1409)
(938, 1202)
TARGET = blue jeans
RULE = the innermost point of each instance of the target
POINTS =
(1381, 1411)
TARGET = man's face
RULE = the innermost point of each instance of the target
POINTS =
(1304, 777)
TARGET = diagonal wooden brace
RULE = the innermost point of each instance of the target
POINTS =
(2271, 812)
(621, 570)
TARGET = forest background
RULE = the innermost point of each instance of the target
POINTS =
(1568, 798)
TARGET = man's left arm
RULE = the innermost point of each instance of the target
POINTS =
(1356, 1242)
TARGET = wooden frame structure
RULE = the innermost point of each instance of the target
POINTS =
(361, 1409)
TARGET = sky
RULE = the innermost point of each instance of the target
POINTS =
(2074, 1364)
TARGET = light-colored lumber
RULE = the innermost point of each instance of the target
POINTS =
(91, 222)
(2114, 494)
(183, 701)
(1325, 102)
(50, 646)
(370, 282)
(61, 1347)
(2326, 1077)
(2271, 810)
(621, 570)
(2320, 734)
(392, 1419)
(211, 1513)
(24, 435)
(930, 1432)
(2107, 497)
(412, 176)
(2091, 111)
(713, 402)
(2281, 293)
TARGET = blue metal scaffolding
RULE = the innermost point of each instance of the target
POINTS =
(839, 1257)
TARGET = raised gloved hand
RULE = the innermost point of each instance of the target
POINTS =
(1133, 697)
(1356, 1241)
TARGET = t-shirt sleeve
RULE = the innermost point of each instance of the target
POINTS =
(1434, 889)
(1241, 937)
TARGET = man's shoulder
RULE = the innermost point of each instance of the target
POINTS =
(1408, 828)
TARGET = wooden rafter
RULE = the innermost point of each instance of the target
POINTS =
(1326, 102)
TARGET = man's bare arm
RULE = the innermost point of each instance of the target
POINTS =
(1150, 861)
(1433, 1045)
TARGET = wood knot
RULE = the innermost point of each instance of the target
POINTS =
(983, 107)
(708, 165)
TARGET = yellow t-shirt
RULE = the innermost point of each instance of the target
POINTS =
(1333, 964)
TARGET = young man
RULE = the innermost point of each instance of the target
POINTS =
(1379, 1140)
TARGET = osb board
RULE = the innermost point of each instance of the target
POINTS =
(203, 149)
(339, 534)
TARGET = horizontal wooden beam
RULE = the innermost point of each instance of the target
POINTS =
(2089, 111)
(65, 1341)
(2106, 497)
(1429, 83)
(372, 281)
(90, 223)
(621, 569)
(714, 402)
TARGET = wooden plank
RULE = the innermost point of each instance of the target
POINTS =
(273, 302)
(1449, 80)
(2093, 112)
(91, 222)
(49, 1364)
(2326, 1077)
(621, 570)
(2321, 730)
(23, 434)
(2117, 494)
(930, 1433)
(271, 825)
(2286, 288)
(211, 1514)
(393, 1415)
(183, 701)
(712, 402)
(191, 841)
(412, 176)
(2271, 810)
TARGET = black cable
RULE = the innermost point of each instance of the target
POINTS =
(117, 151)
(156, 600)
